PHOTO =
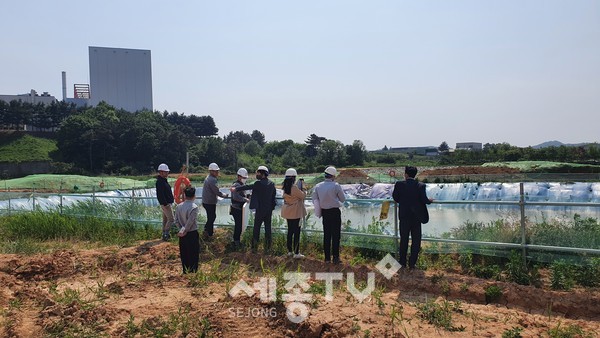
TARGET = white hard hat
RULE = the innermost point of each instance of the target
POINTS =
(331, 171)
(243, 172)
(213, 166)
(291, 172)
(163, 167)
(262, 167)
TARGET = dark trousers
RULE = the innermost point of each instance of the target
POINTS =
(332, 228)
(293, 235)
(189, 249)
(410, 225)
(237, 219)
(259, 219)
(211, 216)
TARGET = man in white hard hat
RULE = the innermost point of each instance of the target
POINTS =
(328, 197)
(164, 194)
(210, 191)
(237, 204)
(263, 201)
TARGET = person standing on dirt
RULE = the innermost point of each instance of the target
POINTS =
(412, 200)
(328, 197)
(210, 191)
(164, 194)
(237, 205)
(293, 210)
(263, 201)
(185, 219)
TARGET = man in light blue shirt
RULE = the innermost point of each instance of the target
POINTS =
(328, 197)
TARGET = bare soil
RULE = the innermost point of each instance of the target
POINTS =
(468, 170)
(112, 291)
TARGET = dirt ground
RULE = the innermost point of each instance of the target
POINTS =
(140, 291)
(467, 170)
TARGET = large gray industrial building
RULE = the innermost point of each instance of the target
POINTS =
(121, 77)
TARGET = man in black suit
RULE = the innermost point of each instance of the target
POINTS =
(412, 211)
(263, 201)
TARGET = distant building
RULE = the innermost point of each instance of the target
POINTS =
(121, 77)
(32, 97)
(469, 146)
(426, 151)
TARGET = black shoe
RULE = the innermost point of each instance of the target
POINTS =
(336, 261)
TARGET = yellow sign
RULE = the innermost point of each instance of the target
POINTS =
(385, 208)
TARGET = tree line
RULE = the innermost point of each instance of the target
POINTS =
(502, 152)
(103, 139)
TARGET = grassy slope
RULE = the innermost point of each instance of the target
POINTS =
(22, 147)
(69, 182)
(528, 166)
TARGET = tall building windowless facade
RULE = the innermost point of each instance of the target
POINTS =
(121, 77)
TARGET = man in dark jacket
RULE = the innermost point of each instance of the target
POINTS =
(164, 194)
(412, 211)
(263, 201)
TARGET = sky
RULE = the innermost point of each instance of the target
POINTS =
(387, 72)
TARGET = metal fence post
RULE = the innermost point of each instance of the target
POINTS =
(8, 201)
(61, 197)
(396, 238)
(94, 200)
(523, 233)
(33, 198)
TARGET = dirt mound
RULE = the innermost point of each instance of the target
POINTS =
(140, 291)
(352, 173)
(468, 171)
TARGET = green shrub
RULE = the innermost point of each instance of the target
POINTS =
(569, 331)
(514, 332)
(439, 315)
(562, 276)
(588, 274)
(492, 294)
(44, 226)
(516, 271)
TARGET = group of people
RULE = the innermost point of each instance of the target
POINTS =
(327, 196)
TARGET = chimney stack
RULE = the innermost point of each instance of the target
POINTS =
(64, 85)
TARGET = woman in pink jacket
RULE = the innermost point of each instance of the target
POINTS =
(293, 210)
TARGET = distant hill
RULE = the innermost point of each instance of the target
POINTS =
(557, 144)
(22, 147)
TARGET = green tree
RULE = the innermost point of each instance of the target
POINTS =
(314, 144)
(444, 148)
(240, 137)
(258, 137)
(252, 148)
(332, 152)
(357, 153)
(86, 139)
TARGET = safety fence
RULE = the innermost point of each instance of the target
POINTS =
(365, 224)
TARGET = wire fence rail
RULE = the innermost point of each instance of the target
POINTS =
(143, 209)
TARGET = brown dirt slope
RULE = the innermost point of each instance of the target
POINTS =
(468, 171)
(140, 291)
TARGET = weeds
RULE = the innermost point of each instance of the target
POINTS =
(439, 315)
(514, 332)
(493, 293)
(397, 318)
(569, 331)
(181, 323)
(561, 276)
